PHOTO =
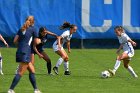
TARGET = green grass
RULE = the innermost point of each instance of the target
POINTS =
(85, 65)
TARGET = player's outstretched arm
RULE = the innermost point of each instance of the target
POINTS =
(53, 34)
(36, 42)
(3, 40)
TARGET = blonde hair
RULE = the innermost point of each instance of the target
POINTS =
(29, 22)
(31, 19)
(25, 25)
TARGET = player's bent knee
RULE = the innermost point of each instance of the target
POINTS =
(119, 57)
(32, 70)
(20, 73)
(126, 66)
(49, 60)
(66, 59)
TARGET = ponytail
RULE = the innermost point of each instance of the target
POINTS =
(29, 22)
(31, 19)
(25, 25)
(118, 27)
(66, 25)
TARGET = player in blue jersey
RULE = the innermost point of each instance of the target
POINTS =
(3, 40)
(58, 47)
(38, 46)
(23, 40)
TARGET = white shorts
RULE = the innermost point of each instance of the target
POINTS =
(130, 54)
(55, 47)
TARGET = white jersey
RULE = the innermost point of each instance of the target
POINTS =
(127, 46)
(66, 36)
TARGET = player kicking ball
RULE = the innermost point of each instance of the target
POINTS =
(128, 52)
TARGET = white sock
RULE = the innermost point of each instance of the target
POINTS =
(0, 64)
(117, 65)
(130, 69)
(59, 62)
(0, 67)
(66, 66)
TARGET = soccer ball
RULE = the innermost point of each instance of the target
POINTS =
(105, 74)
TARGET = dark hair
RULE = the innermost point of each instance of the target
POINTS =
(41, 29)
(118, 27)
(67, 25)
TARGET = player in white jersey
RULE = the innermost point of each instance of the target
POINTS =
(58, 47)
(128, 52)
(3, 40)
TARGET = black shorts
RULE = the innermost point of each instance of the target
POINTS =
(39, 50)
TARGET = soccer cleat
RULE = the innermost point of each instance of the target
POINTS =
(1, 73)
(67, 73)
(10, 91)
(55, 69)
(37, 91)
(136, 76)
(111, 72)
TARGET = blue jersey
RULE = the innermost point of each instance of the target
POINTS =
(24, 44)
(25, 39)
(41, 45)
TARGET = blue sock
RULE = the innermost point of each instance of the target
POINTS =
(33, 80)
(15, 81)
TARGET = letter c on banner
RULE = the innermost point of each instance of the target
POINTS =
(86, 18)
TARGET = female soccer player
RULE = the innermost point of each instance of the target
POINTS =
(2, 39)
(58, 47)
(23, 40)
(39, 45)
(128, 51)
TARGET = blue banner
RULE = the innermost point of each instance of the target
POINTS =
(94, 18)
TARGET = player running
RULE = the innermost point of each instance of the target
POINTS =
(128, 51)
(38, 46)
(3, 40)
(23, 40)
(58, 47)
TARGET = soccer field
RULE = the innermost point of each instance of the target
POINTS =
(85, 65)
